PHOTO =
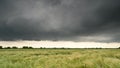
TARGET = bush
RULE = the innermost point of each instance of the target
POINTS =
(25, 47)
(30, 47)
(1, 47)
(14, 47)
(7, 47)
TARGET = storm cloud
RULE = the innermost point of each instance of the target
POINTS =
(74, 20)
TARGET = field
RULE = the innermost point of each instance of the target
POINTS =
(59, 58)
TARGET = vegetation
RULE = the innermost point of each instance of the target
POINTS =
(7, 48)
(1, 47)
(60, 58)
(26, 47)
(14, 47)
(119, 48)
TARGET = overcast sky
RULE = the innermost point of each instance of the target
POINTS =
(66, 20)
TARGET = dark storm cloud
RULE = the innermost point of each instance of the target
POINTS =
(76, 20)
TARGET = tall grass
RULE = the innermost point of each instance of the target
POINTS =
(60, 58)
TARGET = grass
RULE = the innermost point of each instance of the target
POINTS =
(60, 58)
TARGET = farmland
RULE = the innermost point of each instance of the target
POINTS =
(59, 58)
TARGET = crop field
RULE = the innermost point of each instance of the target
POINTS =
(59, 58)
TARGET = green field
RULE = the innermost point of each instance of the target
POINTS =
(59, 58)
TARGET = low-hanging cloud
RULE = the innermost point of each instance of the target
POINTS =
(75, 20)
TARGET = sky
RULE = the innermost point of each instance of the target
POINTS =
(63, 20)
(58, 44)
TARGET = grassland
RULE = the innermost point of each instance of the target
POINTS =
(59, 58)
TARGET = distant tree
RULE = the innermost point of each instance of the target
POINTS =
(14, 47)
(30, 47)
(1, 47)
(118, 47)
(7, 47)
(25, 47)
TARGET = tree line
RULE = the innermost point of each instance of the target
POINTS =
(25, 47)
(29, 47)
(14, 47)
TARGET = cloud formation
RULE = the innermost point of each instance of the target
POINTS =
(74, 20)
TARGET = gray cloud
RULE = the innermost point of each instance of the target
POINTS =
(75, 20)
